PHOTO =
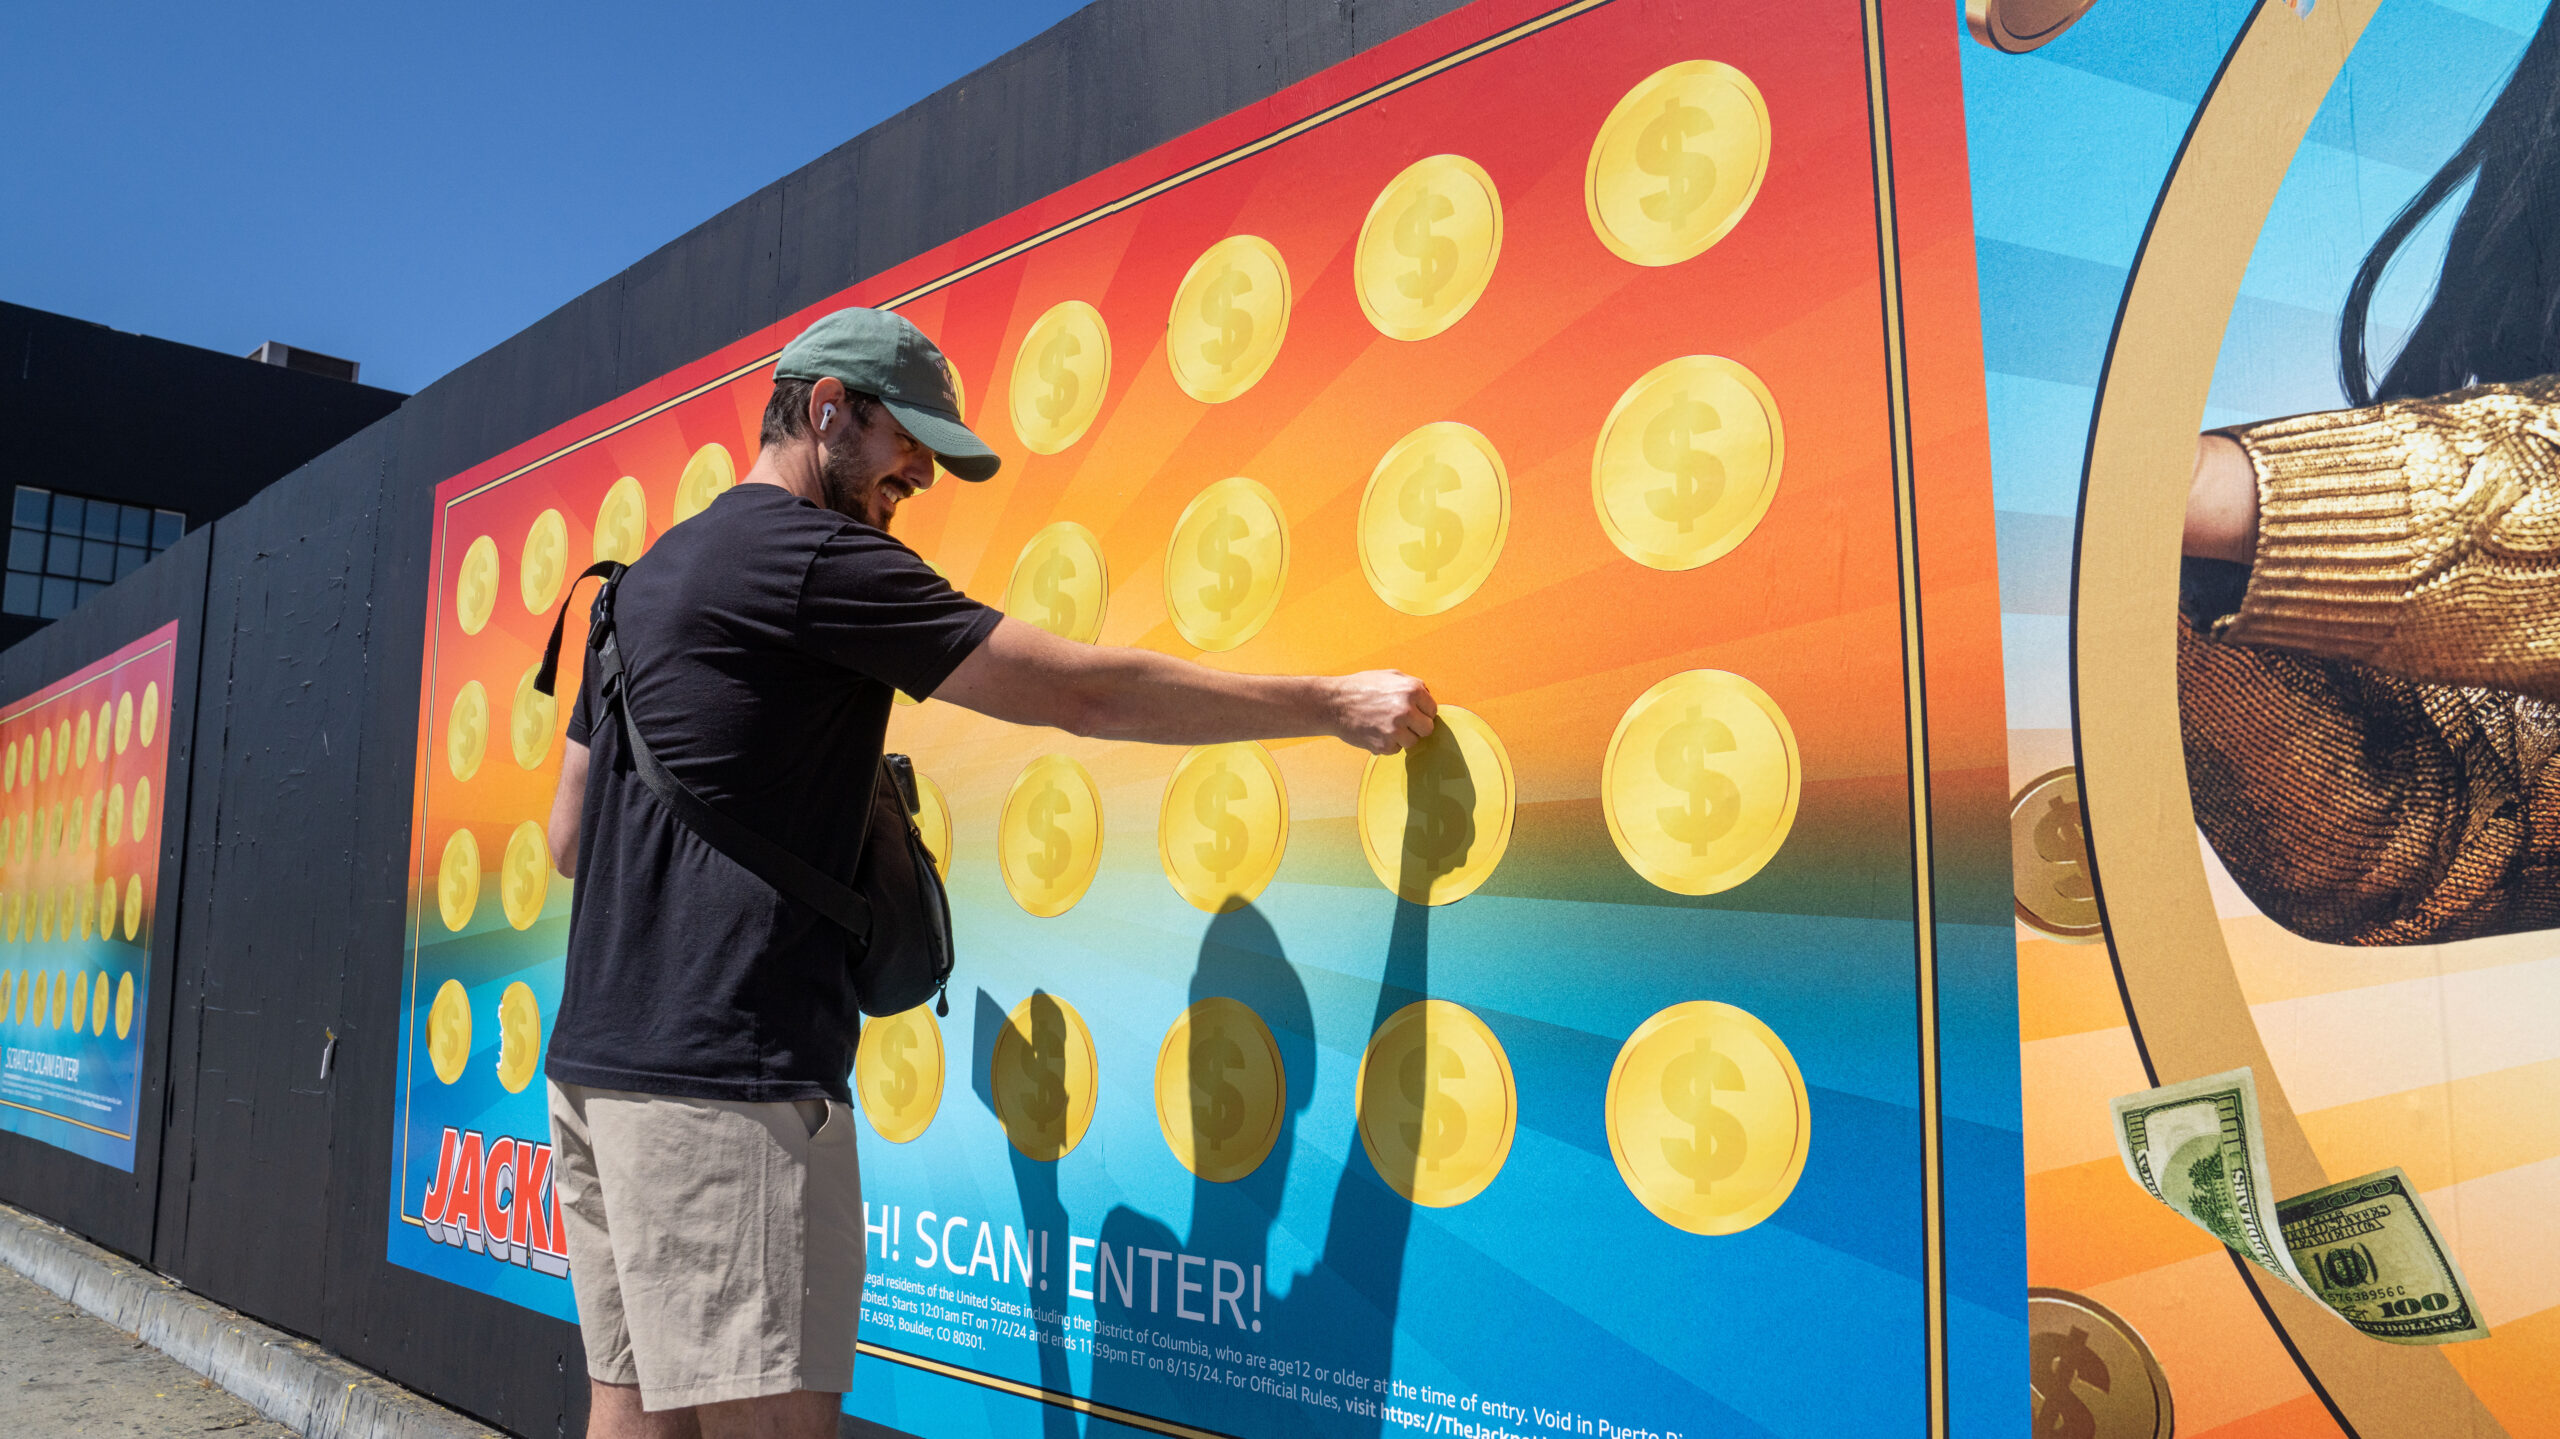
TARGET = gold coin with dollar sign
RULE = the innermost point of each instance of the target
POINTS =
(545, 563)
(531, 716)
(458, 880)
(1677, 162)
(1049, 835)
(1434, 518)
(1701, 781)
(1436, 1103)
(124, 1004)
(150, 721)
(1220, 1089)
(705, 475)
(1042, 1077)
(933, 821)
(133, 905)
(1226, 564)
(1059, 583)
(897, 1073)
(1428, 248)
(1435, 820)
(1229, 316)
(449, 1031)
(622, 522)
(124, 721)
(1687, 462)
(466, 731)
(2049, 859)
(524, 875)
(1224, 825)
(475, 590)
(1707, 1117)
(1059, 377)
(519, 1037)
(2089, 1373)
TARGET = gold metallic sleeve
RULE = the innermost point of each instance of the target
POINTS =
(2420, 537)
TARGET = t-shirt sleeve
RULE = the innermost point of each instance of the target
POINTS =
(869, 604)
(582, 714)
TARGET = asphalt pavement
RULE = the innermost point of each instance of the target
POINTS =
(64, 1373)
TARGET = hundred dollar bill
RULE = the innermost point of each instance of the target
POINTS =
(2365, 1248)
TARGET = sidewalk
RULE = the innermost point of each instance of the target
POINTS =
(64, 1373)
(68, 1297)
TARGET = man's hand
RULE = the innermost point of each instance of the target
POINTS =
(1383, 711)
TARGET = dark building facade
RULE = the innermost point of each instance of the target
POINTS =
(112, 445)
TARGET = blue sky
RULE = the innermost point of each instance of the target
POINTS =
(408, 185)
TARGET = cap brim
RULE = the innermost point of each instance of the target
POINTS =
(960, 452)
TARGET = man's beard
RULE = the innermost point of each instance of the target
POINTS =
(848, 489)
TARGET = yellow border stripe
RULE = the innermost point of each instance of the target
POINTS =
(1033, 1391)
(1915, 707)
(65, 1118)
(1247, 150)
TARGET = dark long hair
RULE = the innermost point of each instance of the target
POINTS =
(2495, 314)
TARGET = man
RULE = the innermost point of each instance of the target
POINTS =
(699, 1109)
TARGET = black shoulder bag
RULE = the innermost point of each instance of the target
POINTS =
(895, 915)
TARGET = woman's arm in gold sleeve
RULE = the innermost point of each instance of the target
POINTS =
(2420, 537)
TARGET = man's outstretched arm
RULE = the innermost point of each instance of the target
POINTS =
(1026, 675)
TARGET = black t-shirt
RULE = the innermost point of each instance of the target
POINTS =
(761, 640)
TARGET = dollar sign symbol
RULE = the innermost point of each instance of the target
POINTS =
(2062, 843)
(1217, 1106)
(1442, 531)
(2053, 1361)
(522, 880)
(1234, 571)
(1718, 1143)
(1061, 381)
(1220, 789)
(1439, 1126)
(1437, 254)
(1044, 1067)
(1219, 311)
(901, 1085)
(476, 588)
(1440, 802)
(1048, 590)
(1050, 861)
(546, 559)
(1697, 478)
(1713, 801)
(1690, 177)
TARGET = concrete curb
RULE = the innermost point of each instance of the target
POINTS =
(292, 1381)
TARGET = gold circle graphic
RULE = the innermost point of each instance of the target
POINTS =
(1229, 316)
(524, 875)
(545, 563)
(1436, 1103)
(1435, 820)
(1428, 247)
(709, 472)
(1434, 518)
(449, 1031)
(897, 1073)
(1708, 1118)
(475, 591)
(466, 734)
(1677, 162)
(1701, 782)
(1224, 825)
(2089, 1372)
(1687, 462)
(458, 880)
(1220, 1089)
(1060, 376)
(622, 522)
(1059, 583)
(1042, 1077)
(1049, 835)
(519, 1037)
(1226, 564)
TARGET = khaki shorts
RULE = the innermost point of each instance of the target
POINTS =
(716, 1249)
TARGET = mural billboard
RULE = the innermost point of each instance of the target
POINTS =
(1603, 1068)
(2270, 841)
(83, 786)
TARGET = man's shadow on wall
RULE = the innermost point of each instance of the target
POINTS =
(1339, 1316)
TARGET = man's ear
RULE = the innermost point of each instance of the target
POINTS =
(830, 417)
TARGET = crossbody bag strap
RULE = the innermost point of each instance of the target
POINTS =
(787, 872)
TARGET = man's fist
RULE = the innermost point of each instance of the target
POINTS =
(1382, 711)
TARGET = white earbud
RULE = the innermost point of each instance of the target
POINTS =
(827, 416)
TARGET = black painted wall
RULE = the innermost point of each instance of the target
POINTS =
(277, 1197)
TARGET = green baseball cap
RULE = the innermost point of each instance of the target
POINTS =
(876, 353)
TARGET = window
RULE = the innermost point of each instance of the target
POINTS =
(65, 548)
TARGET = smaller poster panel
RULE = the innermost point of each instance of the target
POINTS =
(83, 788)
